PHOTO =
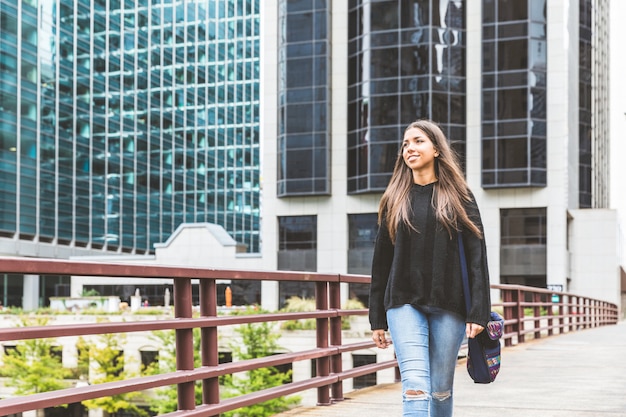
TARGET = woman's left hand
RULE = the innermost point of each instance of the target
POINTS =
(472, 330)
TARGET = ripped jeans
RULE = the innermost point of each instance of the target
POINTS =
(426, 342)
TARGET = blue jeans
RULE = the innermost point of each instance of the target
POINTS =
(426, 342)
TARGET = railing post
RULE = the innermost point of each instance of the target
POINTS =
(321, 330)
(519, 315)
(550, 315)
(570, 313)
(509, 313)
(397, 377)
(561, 314)
(577, 312)
(593, 316)
(184, 342)
(209, 349)
(537, 314)
(581, 312)
(335, 339)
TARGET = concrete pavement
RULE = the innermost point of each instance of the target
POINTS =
(579, 374)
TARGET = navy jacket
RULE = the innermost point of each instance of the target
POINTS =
(397, 280)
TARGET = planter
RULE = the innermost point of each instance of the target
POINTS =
(109, 304)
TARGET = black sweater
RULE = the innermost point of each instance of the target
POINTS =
(423, 269)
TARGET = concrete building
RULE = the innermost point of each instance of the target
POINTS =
(529, 93)
(521, 88)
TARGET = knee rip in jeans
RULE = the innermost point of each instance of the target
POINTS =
(412, 394)
(442, 396)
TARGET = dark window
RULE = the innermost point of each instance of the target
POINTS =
(297, 251)
(56, 352)
(523, 249)
(297, 232)
(413, 66)
(149, 358)
(225, 357)
(303, 164)
(362, 230)
(509, 10)
(523, 226)
(512, 54)
(364, 380)
(584, 105)
(514, 94)
(118, 362)
(284, 368)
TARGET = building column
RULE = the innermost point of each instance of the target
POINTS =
(269, 295)
(30, 298)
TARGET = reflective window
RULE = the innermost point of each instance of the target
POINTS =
(585, 104)
(523, 230)
(297, 243)
(304, 108)
(514, 93)
(407, 58)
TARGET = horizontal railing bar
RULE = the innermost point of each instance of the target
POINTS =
(101, 269)
(355, 346)
(36, 332)
(207, 410)
(16, 405)
(354, 279)
(367, 369)
(355, 312)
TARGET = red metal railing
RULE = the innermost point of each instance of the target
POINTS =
(573, 312)
(537, 312)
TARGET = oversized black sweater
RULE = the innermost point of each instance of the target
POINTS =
(423, 268)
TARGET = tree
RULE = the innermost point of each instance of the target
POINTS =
(258, 341)
(33, 366)
(108, 358)
(166, 399)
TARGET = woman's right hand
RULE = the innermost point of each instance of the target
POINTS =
(380, 339)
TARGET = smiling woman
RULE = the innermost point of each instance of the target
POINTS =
(416, 291)
(419, 154)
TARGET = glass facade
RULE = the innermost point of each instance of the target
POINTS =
(123, 119)
(406, 61)
(297, 251)
(304, 98)
(514, 93)
(523, 246)
(362, 231)
(585, 54)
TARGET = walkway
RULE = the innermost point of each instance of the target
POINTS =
(581, 374)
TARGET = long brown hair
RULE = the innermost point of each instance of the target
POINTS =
(450, 193)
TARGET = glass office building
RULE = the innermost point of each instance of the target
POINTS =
(123, 119)
(406, 61)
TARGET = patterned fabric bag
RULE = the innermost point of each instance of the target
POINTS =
(483, 351)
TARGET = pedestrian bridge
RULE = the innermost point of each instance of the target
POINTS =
(578, 374)
(548, 336)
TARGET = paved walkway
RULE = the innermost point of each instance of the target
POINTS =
(580, 374)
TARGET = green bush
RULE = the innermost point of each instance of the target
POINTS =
(297, 305)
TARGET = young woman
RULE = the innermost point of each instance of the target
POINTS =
(417, 289)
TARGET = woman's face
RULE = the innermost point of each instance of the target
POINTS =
(418, 151)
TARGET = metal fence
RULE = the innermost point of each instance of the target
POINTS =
(547, 316)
